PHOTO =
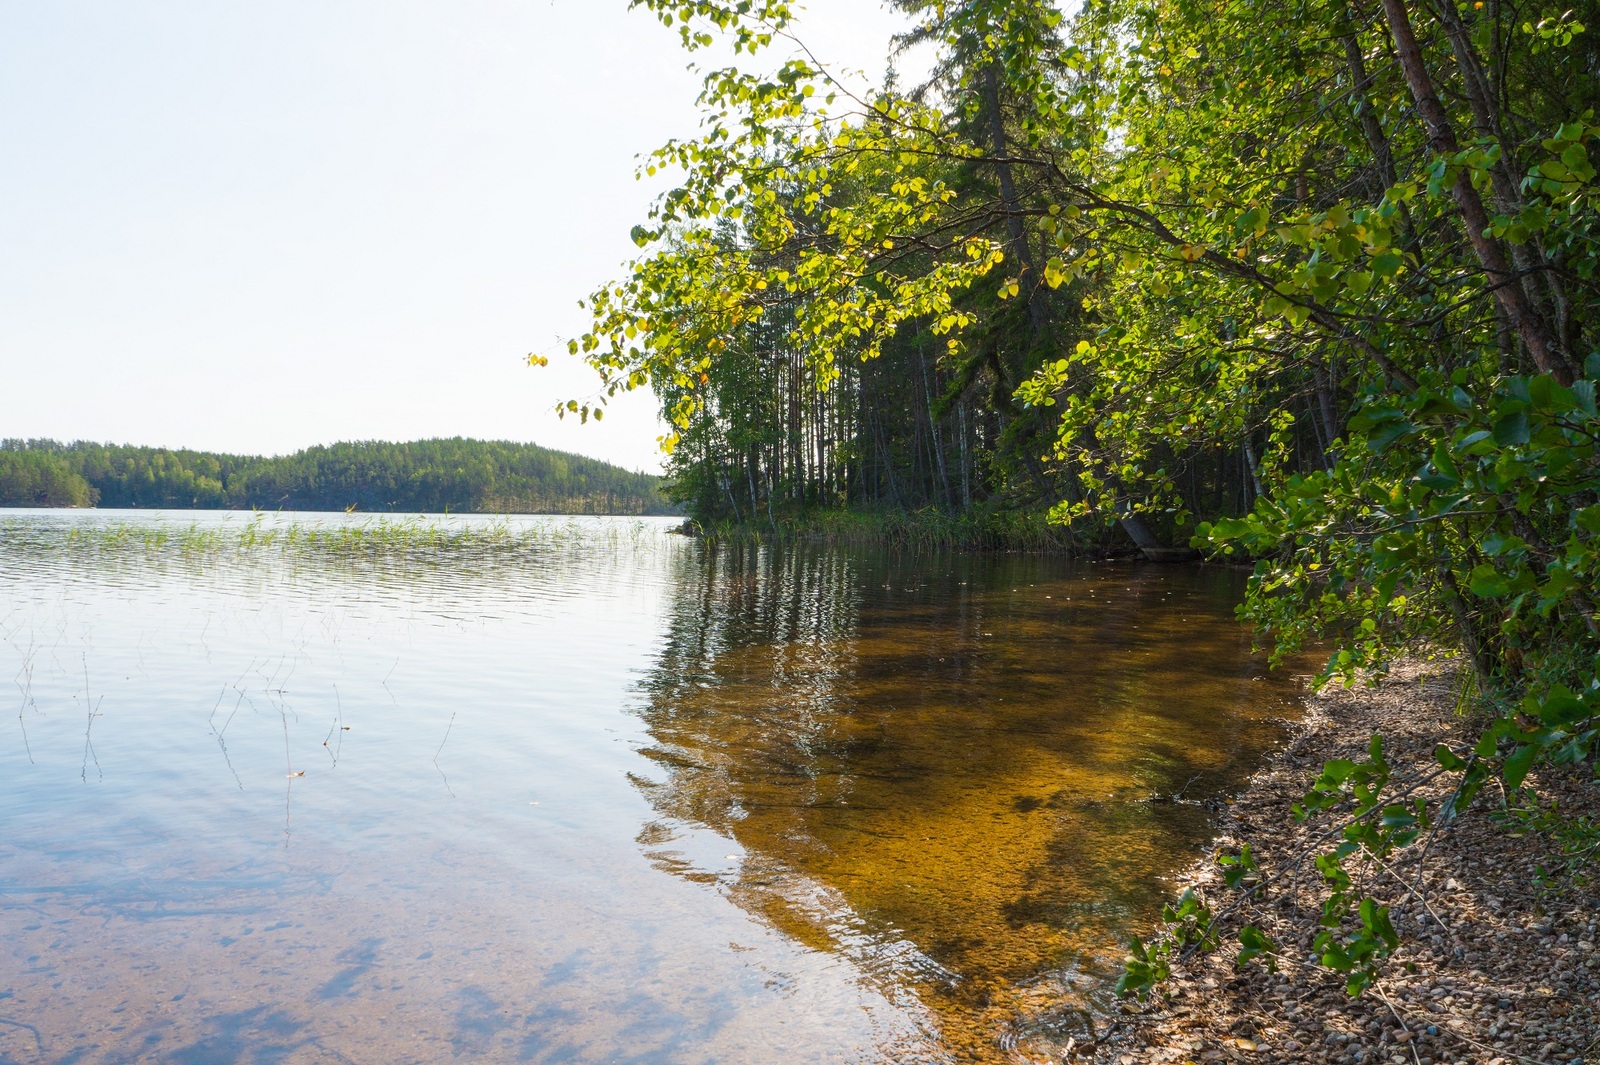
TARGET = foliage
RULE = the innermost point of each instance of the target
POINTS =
(432, 476)
(1312, 284)
(1576, 841)
(1189, 926)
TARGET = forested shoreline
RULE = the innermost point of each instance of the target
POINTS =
(425, 476)
(1313, 285)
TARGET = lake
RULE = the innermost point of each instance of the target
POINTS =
(313, 788)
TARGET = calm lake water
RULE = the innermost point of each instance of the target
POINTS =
(594, 793)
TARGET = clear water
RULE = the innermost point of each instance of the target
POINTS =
(593, 793)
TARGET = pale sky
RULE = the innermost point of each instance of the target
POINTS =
(253, 227)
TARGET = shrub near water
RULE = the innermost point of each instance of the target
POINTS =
(1491, 540)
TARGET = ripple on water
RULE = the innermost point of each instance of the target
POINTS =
(586, 791)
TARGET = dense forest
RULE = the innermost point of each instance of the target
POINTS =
(1309, 283)
(425, 476)
(1196, 258)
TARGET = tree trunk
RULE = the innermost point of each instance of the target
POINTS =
(938, 436)
(1371, 128)
(1137, 529)
(1533, 331)
(1330, 421)
(1253, 467)
(1540, 280)
(1028, 274)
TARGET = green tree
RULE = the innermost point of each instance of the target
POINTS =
(1312, 283)
(39, 478)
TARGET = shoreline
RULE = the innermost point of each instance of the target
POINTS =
(928, 528)
(1493, 967)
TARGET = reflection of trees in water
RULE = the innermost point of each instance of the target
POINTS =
(747, 682)
(939, 765)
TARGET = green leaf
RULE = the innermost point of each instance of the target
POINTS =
(1548, 396)
(1375, 919)
(1487, 582)
(1386, 434)
(1253, 944)
(1576, 157)
(1518, 764)
(1387, 262)
(1511, 429)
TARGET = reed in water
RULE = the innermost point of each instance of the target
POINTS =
(377, 535)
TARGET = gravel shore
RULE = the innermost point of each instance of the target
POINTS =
(1497, 964)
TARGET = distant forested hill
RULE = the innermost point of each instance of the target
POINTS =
(488, 476)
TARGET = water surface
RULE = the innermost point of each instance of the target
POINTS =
(589, 793)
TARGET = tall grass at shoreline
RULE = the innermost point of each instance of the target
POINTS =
(928, 529)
